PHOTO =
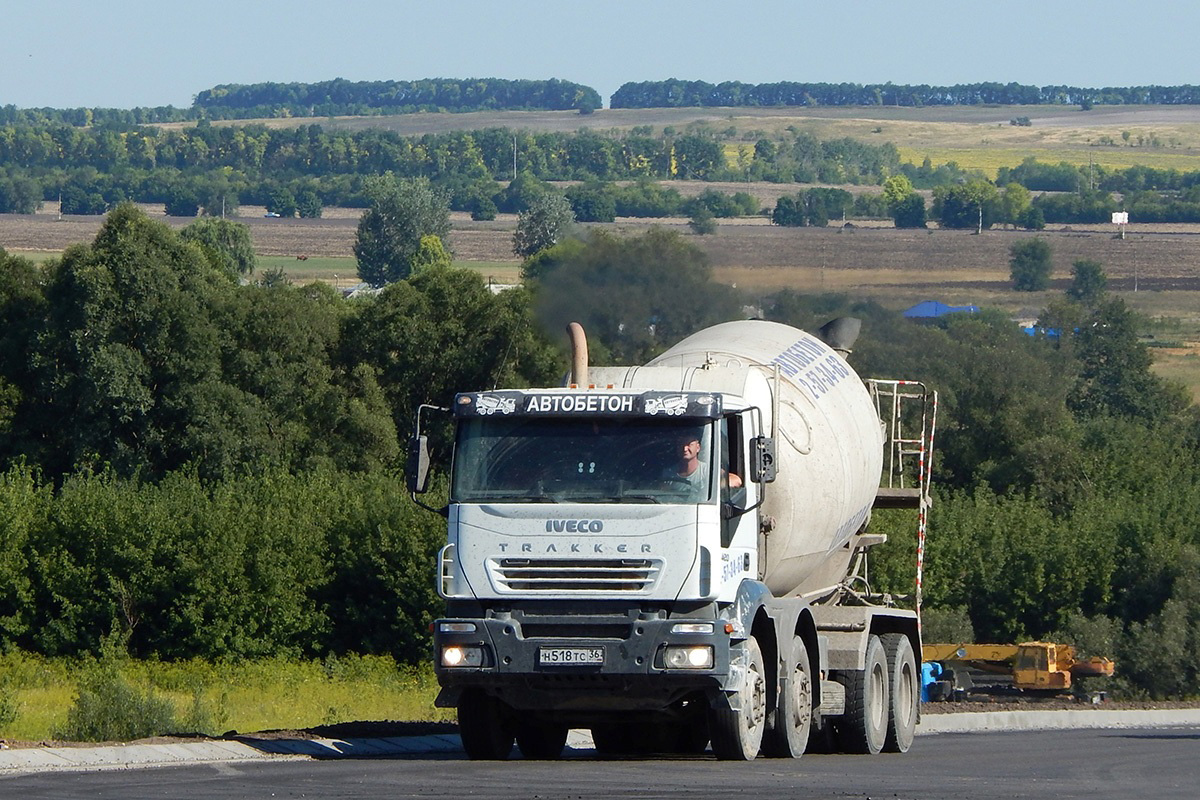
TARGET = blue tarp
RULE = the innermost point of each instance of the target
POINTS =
(932, 308)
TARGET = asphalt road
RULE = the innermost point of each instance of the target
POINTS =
(1153, 764)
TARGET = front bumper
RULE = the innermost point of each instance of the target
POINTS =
(633, 675)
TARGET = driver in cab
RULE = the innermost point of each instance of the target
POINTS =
(691, 470)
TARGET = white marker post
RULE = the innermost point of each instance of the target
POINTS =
(1121, 219)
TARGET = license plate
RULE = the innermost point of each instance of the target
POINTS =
(569, 656)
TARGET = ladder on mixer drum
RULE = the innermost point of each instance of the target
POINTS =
(908, 412)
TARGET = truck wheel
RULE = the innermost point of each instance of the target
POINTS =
(541, 741)
(863, 726)
(788, 737)
(485, 726)
(737, 735)
(905, 692)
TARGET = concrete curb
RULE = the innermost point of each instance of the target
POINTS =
(992, 721)
(137, 756)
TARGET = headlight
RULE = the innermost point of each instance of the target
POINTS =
(462, 655)
(692, 627)
(689, 657)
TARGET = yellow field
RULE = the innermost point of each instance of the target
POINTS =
(989, 159)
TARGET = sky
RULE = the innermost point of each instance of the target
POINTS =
(122, 54)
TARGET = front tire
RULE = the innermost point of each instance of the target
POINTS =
(863, 726)
(788, 737)
(485, 725)
(737, 735)
(905, 692)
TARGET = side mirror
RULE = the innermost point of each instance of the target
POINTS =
(417, 469)
(762, 459)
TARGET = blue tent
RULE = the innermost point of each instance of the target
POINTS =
(932, 308)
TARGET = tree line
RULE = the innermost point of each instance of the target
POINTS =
(674, 93)
(313, 151)
(338, 97)
(358, 98)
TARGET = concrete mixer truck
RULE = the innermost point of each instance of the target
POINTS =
(672, 555)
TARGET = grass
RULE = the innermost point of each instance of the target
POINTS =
(344, 271)
(246, 696)
(1181, 365)
(36, 256)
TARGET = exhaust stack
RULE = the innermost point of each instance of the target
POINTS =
(579, 355)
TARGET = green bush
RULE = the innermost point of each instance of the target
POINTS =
(9, 708)
(948, 625)
(109, 708)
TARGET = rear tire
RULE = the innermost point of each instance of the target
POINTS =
(485, 725)
(541, 741)
(863, 726)
(737, 735)
(905, 692)
(788, 737)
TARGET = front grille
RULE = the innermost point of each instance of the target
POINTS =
(633, 575)
(570, 630)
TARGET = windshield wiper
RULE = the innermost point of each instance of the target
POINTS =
(637, 498)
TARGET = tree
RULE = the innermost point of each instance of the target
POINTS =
(543, 225)
(633, 295)
(1032, 219)
(1015, 202)
(441, 332)
(520, 193)
(19, 195)
(1115, 376)
(308, 204)
(974, 204)
(896, 189)
(281, 201)
(390, 230)
(593, 202)
(1088, 282)
(1030, 265)
(76, 199)
(431, 254)
(702, 221)
(814, 207)
(226, 244)
(909, 212)
(181, 200)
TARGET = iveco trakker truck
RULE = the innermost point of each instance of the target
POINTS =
(672, 555)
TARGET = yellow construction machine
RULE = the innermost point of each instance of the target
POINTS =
(1036, 666)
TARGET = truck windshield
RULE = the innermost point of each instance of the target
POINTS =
(587, 459)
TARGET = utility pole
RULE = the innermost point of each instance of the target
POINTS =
(514, 156)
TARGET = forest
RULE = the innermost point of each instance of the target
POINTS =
(211, 468)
